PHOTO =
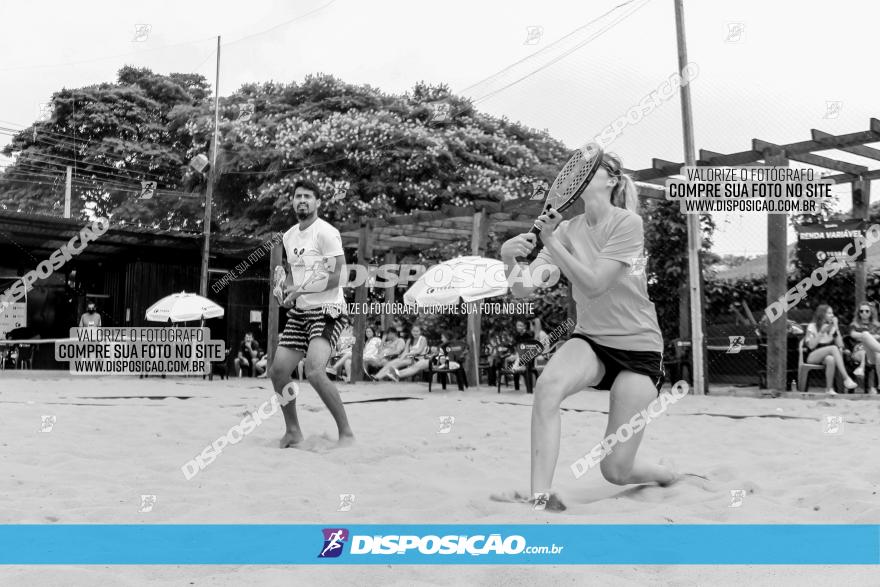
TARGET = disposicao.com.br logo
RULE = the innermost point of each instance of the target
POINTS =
(334, 540)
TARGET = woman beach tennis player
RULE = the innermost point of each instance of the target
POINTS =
(616, 344)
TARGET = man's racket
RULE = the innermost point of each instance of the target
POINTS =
(281, 280)
(574, 178)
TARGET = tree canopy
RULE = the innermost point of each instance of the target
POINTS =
(373, 154)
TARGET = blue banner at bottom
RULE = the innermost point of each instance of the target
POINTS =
(425, 544)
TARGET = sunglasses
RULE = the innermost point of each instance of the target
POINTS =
(607, 166)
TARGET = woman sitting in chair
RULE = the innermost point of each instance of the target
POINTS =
(824, 345)
(865, 329)
(371, 351)
(416, 349)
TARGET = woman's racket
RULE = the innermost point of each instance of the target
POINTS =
(574, 178)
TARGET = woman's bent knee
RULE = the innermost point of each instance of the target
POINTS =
(549, 393)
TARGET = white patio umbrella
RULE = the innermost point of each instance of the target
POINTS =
(467, 279)
(183, 307)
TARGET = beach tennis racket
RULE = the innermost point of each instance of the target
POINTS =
(572, 180)
(281, 280)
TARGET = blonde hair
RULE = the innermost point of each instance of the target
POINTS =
(624, 194)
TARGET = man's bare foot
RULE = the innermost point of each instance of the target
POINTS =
(345, 439)
(291, 439)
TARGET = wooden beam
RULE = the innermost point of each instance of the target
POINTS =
(847, 178)
(656, 173)
(390, 292)
(861, 201)
(706, 156)
(360, 297)
(396, 241)
(443, 233)
(651, 192)
(847, 140)
(743, 157)
(777, 279)
(275, 260)
(813, 159)
(861, 150)
(663, 164)
(479, 238)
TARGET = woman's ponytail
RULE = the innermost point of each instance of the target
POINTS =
(624, 194)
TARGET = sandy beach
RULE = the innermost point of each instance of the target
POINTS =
(115, 439)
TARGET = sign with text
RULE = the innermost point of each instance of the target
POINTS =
(818, 243)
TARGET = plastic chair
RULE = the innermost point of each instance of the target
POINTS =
(804, 368)
(454, 352)
(528, 371)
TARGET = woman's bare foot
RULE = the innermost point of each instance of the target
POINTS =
(674, 475)
(551, 501)
(291, 439)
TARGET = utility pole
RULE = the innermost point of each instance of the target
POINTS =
(212, 177)
(695, 235)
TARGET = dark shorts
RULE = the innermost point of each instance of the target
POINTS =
(648, 363)
(304, 325)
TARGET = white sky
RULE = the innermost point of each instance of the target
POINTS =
(773, 84)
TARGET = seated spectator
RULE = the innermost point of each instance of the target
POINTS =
(865, 329)
(522, 335)
(90, 318)
(392, 347)
(262, 365)
(342, 352)
(824, 345)
(249, 357)
(500, 347)
(538, 333)
(416, 348)
(372, 343)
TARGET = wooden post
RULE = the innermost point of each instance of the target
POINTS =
(861, 199)
(777, 285)
(67, 188)
(390, 292)
(212, 177)
(360, 298)
(479, 236)
(275, 259)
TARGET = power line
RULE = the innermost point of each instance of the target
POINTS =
(565, 54)
(547, 48)
(278, 26)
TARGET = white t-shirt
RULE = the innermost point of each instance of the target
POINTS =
(311, 253)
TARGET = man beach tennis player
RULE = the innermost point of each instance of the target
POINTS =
(315, 261)
(616, 344)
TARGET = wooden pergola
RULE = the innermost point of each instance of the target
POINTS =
(858, 176)
(402, 234)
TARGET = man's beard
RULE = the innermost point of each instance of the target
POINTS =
(303, 214)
